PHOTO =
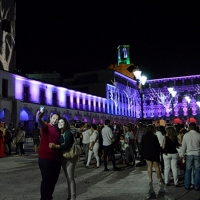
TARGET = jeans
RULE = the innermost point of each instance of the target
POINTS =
(130, 151)
(50, 170)
(68, 166)
(192, 161)
(95, 150)
(21, 147)
(170, 161)
(140, 150)
(123, 155)
(109, 150)
(86, 150)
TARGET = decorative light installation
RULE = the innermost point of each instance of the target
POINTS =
(172, 95)
(187, 98)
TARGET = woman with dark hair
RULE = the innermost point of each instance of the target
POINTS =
(170, 155)
(68, 165)
(151, 151)
(94, 146)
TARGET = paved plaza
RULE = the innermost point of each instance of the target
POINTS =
(20, 180)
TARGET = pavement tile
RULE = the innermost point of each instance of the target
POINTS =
(20, 180)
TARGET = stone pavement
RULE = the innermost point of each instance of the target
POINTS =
(20, 180)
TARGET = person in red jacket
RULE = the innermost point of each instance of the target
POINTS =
(49, 159)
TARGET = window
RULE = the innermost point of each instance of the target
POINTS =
(42, 97)
(68, 101)
(92, 103)
(54, 99)
(5, 88)
(81, 101)
(86, 102)
(26, 95)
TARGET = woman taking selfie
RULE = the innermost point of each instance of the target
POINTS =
(68, 165)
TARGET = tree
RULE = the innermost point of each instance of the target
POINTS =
(6, 47)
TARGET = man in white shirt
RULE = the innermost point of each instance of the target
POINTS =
(191, 148)
(107, 136)
(86, 140)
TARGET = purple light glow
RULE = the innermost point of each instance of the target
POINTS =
(34, 90)
(126, 77)
(19, 88)
(23, 115)
(174, 78)
(49, 95)
(2, 114)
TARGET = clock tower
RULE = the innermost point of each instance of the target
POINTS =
(123, 54)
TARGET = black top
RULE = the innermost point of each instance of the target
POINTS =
(150, 147)
(66, 140)
(170, 147)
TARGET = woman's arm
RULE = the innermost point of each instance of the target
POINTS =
(164, 143)
(67, 144)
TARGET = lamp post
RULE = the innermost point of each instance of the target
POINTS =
(172, 93)
(141, 80)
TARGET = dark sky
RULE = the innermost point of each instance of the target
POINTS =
(79, 36)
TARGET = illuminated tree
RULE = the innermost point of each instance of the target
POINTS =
(130, 95)
(114, 94)
(6, 47)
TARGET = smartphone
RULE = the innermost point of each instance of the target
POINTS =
(41, 109)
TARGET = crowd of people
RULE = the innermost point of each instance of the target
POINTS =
(166, 148)
(9, 136)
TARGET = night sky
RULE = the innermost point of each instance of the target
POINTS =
(80, 36)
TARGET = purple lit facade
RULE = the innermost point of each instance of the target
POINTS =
(56, 96)
(122, 103)
(157, 101)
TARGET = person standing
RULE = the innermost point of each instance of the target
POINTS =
(139, 134)
(2, 135)
(151, 150)
(94, 146)
(191, 151)
(68, 165)
(36, 137)
(86, 140)
(49, 159)
(160, 133)
(130, 141)
(108, 147)
(8, 137)
(20, 140)
(170, 155)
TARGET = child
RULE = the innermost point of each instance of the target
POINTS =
(122, 148)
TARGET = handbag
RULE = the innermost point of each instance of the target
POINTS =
(75, 151)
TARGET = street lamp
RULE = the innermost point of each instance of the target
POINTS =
(188, 99)
(141, 80)
(172, 93)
